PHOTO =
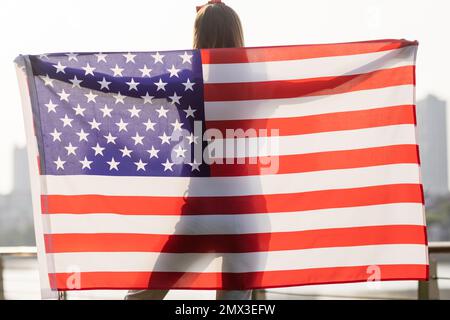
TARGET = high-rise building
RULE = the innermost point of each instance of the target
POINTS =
(21, 183)
(16, 217)
(432, 137)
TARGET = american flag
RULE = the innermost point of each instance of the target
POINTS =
(226, 168)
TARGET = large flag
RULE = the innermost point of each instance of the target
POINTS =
(226, 168)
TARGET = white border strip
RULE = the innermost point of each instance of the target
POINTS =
(45, 262)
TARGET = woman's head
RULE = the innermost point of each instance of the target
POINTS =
(217, 26)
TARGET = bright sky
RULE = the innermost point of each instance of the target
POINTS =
(31, 27)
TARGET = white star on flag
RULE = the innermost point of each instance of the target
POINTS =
(113, 164)
(158, 58)
(51, 106)
(140, 165)
(173, 71)
(71, 149)
(106, 111)
(66, 121)
(180, 151)
(85, 163)
(168, 165)
(59, 164)
(101, 57)
(189, 112)
(79, 110)
(117, 71)
(130, 57)
(75, 82)
(110, 138)
(175, 98)
(91, 96)
(161, 85)
(60, 68)
(56, 135)
(132, 85)
(98, 150)
(162, 112)
(88, 69)
(119, 98)
(153, 152)
(149, 125)
(63, 95)
(188, 85)
(138, 139)
(94, 124)
(104, 84)
(126, 152)
(164, 138)
(47, 80)
(122, 125)
(134, 112)
(147, 98)
(83, 135)
(186, 57)
(145, 71)
(72, 56)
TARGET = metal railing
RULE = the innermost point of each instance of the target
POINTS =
(13, 252)
(427, 290)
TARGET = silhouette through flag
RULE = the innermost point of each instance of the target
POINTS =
(225, 168)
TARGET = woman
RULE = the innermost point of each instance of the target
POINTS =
(216, 26)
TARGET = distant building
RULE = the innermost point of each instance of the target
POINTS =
(432, 137)
(16, 215)
(21, 183)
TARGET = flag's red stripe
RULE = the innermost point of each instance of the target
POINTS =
(311, 200)
(308, 162)
(234, 281)
(337, 121)
(235, 243)
(296, 52)
(38, 164)
(308, 87)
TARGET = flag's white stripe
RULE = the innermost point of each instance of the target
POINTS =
(306, 106)
(308, 68)
(273, 145)
(233, 186)
(241, 262)
(363, 216)
(45, 265)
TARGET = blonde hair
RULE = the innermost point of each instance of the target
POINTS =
(217, 26)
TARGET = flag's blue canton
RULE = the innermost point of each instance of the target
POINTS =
(123, 114)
